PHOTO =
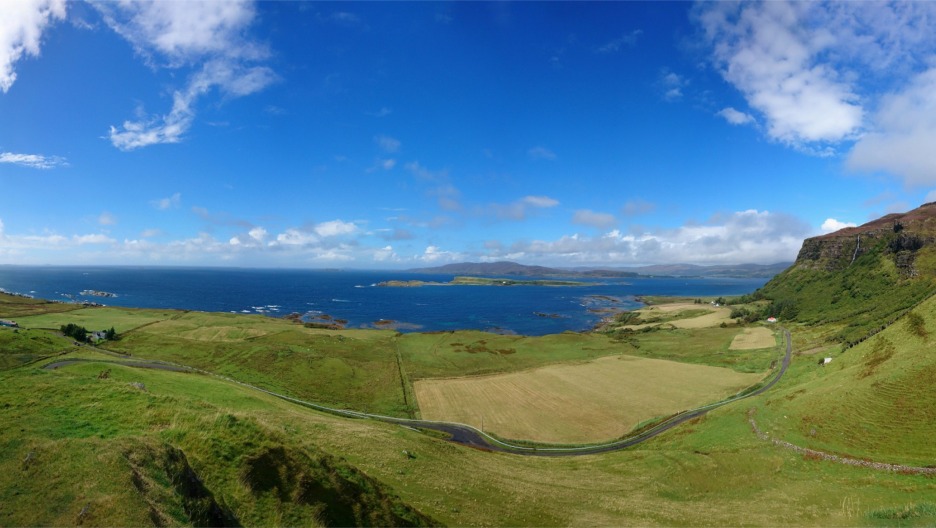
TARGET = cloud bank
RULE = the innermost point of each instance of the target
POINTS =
(21, 28)
(207, 36)
(855, 77)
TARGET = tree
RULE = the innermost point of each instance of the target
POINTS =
(78, 333)
(110, 335)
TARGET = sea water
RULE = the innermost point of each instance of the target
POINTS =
(355, 297)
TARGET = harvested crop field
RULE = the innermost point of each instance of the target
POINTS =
(586, 402)
(753, 338)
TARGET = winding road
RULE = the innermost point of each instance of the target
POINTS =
(466, 434)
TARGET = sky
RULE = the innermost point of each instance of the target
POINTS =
(393, 135)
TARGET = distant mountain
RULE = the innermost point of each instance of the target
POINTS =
(720, 270)
(505, 268)
(673, 270)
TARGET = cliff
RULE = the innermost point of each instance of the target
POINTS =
(862, 277)
(900, 236)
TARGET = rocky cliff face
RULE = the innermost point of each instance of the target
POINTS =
(899, 236)
(862, 278)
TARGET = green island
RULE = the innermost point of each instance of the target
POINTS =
(483, 281)
(242, 420)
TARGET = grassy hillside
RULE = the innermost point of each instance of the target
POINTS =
(876, 400)
(191, 450)
(858, 289)
(101, 444)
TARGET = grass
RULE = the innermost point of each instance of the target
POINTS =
(704, 346)
(20, 346)
(582, 403)
(874, 401)
(250, 450)
(189, 444)
(73, 440)
(861, 296)
(472, 353)
(99, 318)
(13, 306)
(753, 339)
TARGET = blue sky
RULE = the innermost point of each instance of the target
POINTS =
(399, 135)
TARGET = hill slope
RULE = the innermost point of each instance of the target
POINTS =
(861, 278)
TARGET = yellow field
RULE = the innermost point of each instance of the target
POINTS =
(581, 403)
(752, 338)
(716, 315)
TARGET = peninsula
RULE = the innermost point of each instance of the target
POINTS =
(482, 281)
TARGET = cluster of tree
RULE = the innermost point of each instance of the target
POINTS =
(783, 309)
(78, 333)
(81, 334)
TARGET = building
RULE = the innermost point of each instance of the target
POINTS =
(10, 324)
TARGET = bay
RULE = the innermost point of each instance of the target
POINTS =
(354, 297)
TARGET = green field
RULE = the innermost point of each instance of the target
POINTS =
(101, 451)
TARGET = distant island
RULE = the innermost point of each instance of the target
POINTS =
(743, 271)
(480, 281)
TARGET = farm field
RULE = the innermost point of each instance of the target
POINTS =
(99, 318)
(753, 339)
(580, 403)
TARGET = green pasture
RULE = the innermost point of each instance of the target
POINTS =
(99, 318)
(706, 346)
(255, 456)
(94, 449)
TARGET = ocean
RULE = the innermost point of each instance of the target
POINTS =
(353, 296)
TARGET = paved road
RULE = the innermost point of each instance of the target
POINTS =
(466, 434)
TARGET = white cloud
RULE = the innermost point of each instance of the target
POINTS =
(107, 219)
(21, 28)
(424, 173)
(628, 40)
(672, 85)
(388, 144)
(434, 254)
(777, 56)
(519, 209)
(594, 219)
(743, 237)
(388, 164)
(295, 237)
(336, 228)
(830, 225)
(903, 135)
(82, 240)
(541, 153)
(735, 117)
(172, 202)
(637, 207)
(33, 161)
(185, 32)
(539, 201)
(205, 34)
(150, 233)
(824, 73)
(385, 254)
